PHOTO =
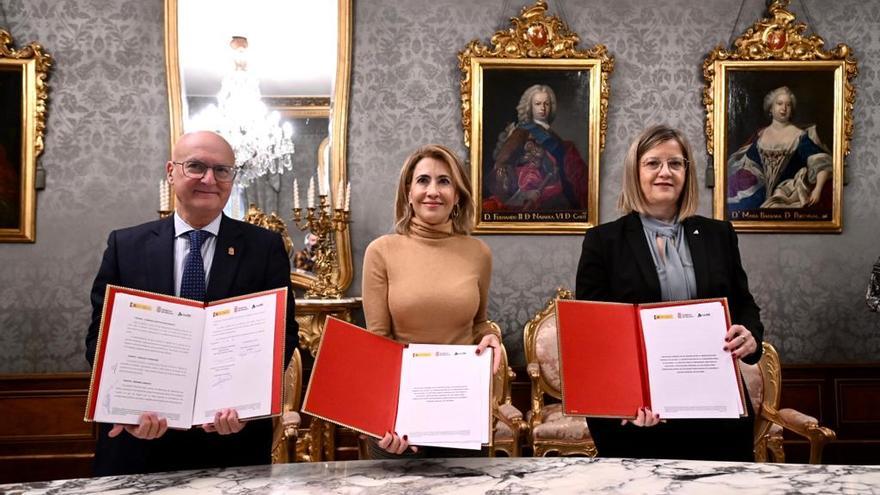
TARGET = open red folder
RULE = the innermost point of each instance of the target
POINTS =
(435, 394)
(186, 359)
(355, 380)
(604, 360)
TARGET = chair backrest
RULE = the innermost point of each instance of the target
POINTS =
(291, 395)
(541, 340)
(764, 382)
(501, 379)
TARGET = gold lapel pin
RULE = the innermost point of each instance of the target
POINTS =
(231, 251)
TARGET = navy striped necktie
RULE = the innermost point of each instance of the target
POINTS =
(192, 285)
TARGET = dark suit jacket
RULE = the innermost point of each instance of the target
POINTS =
(142, 257)
(616, 265)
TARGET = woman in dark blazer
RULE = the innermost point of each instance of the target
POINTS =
(661, 251)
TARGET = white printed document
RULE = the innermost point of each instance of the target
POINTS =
(444, 396)
(691, 375)
(436, 395)
(185, 360)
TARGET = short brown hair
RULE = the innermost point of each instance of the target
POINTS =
(462, 223)
(632, 198)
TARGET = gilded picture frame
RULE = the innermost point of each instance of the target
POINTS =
(23, 95)
(778, 125)
(534, 115)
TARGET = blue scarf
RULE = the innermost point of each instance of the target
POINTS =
(675, 268)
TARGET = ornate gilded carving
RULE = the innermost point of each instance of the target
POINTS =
(779, 37)
(324, 222)
(43, 62)
(311, 314)
(30, 65)
(286, 426)
(533, 35)
(271, 222)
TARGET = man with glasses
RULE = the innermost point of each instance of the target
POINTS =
(201, 254)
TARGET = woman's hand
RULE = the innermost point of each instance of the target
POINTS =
(491, 340)
(149, 427)
(644, 417)
(814, 197)
(394, 444)
(740, 342)
(226, 422)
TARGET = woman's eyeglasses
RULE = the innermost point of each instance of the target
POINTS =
(675, 164)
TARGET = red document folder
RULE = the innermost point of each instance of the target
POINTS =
(105, 334)
(355, 379)
(602, 357)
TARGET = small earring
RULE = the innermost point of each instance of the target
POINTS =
(455, 211)
(412, 210)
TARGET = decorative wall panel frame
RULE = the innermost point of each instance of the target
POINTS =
(23, 96)
(785, 176)
(532, 178)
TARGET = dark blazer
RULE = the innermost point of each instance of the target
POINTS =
(616, 265)
(246, 259)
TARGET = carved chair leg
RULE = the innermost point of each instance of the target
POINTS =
(776, 450)
(817, 445)
(761, 450)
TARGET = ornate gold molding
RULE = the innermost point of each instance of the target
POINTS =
(335, 106)
(779, 37)
(272, 222)
(31, 64)
(533, 35)
(42, 62)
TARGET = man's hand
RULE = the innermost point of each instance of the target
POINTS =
(149, 427)
(226, 422)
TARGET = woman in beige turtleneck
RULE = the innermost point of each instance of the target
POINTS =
(428, 282)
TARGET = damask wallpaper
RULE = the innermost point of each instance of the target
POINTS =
(108, 139)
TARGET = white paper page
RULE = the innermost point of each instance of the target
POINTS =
(690, 373)
(236, 369)
(444, 395)
(151, 361)
(486, 380)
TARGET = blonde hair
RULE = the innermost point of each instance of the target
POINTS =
(632, 198)
(463, 222)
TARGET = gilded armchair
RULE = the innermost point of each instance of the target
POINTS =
(508, 421)
(764, 381)
(550, 430)
(286, 426)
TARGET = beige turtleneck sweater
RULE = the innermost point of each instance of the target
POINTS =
(428, 287)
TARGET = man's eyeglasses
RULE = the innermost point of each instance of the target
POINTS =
(675, 164)
(196, 170)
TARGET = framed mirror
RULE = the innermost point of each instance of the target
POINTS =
(303, 73)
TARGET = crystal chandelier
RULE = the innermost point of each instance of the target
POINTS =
(261, 143)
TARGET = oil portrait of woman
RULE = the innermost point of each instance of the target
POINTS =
(783, 165)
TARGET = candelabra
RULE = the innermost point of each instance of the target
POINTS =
(324, 222)
(165, 194)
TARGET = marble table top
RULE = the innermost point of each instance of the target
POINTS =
(497, 476)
